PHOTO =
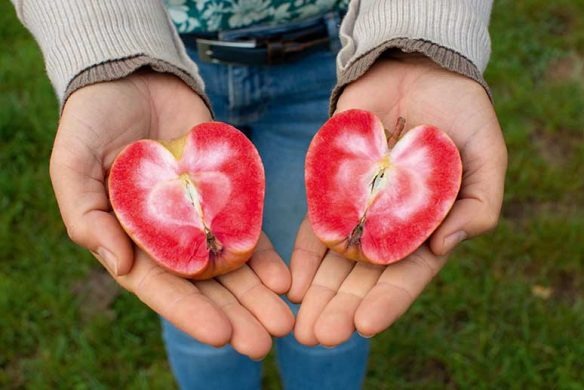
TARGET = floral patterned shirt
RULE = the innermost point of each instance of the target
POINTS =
(215, 15)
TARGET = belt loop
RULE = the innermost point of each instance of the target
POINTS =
(333, 22)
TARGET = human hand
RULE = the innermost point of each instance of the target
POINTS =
(242, 307)
(339, 296)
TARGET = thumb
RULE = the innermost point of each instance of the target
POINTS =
(480, 199)
(78, 182)
(468, 218)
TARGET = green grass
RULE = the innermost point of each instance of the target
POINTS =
(507, 312)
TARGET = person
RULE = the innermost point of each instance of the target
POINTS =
(122, 73)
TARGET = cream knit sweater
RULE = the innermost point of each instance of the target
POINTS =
(88, 41)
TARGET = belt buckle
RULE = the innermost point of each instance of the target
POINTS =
(205, 48)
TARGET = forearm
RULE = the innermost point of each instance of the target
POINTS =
(452, 33)
(85, 41)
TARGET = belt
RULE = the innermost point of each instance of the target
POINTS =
(268, 45)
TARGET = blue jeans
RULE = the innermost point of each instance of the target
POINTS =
(280, 108)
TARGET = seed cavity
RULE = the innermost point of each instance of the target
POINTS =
(376, 183)
(213, 245)
(377, 180)
(392, 138)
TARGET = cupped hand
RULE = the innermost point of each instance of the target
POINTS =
(339, 296)
(242, 307)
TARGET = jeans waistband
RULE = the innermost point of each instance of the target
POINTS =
(268, 44)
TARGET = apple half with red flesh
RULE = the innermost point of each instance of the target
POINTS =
(193, 204)
(374, 196)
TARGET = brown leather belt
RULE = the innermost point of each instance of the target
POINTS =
(268, 45)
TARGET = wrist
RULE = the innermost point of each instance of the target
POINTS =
(410, 51)
(123, 68)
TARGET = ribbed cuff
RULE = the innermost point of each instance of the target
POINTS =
(444, 57)
(117, 69)
(453, 33)
(92, 41)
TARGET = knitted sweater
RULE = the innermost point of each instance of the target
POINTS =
(86, 41)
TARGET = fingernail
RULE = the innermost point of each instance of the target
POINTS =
(365, 336)
(328, 346)
(258, 360)
(109, 259)
(452, 240)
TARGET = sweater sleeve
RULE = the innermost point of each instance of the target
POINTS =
(87, 41)
(453, 33)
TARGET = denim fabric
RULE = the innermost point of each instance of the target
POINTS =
(280, 108)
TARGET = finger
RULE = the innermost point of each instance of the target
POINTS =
(78, 182)
(249, 336)
(270, 267)
(271, 311)
(397, 288)
(306, 258)
(331, 274)
(177, 300)
(481, 195)
(336, 324)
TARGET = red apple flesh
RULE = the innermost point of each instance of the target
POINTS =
(376, 197)
(193, 204)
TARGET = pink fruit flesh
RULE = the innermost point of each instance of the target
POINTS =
(374, 203)
(194, 204)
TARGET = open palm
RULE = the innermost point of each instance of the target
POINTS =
(340, 296)
(242, 307)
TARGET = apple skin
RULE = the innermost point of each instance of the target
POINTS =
(193, 204)
(373, 199)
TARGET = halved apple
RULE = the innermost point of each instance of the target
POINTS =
(193, 204)
(374, 196)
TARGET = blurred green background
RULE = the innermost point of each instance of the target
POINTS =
(506, 312)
